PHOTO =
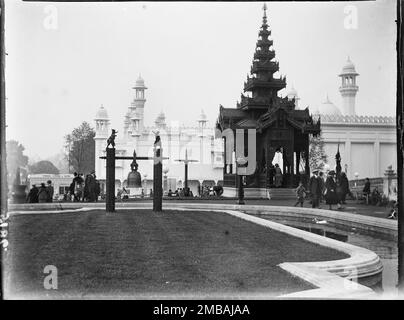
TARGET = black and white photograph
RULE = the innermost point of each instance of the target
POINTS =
(202, 151)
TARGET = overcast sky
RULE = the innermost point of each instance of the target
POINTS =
(192, 56)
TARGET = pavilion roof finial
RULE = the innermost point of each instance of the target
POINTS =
(265, 9)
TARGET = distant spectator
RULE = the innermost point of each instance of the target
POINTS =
(322, 186)
(366, 190)
(314, 189)
(43, 194)
(50, 190)
(32, 196)
(170, 193)
(343, 187)
(375, 197)
(331, 190)
(278, 176)
(300, 193)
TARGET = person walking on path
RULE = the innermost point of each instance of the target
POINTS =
(314, 189)
(32, 196)
(300, 193)
(331, 196)
(43, 194)
(51, 190)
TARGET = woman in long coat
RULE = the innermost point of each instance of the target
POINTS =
(331, 196)
(278, 176)
(43, 194)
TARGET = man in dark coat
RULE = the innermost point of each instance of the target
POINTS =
(331, 196)
(32, 196)
(344, 187)
(90, 187)
(314, 189)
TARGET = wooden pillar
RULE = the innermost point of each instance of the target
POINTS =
(298, 162)
(3, 166)
(110, 183)
(157, 177)
(307, 165)
(186, 177)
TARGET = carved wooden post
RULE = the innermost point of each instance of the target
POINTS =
(110, 183)
(157, 175)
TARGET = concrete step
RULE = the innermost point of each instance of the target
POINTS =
(281, 193)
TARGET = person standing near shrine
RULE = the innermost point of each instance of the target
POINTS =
(322, 187)
(331, 196)
(366, 190)
(344, 187)
(50, 189)
(43, 194)
(300, 193)
(278, 176)
(314, 189)
(32, 196)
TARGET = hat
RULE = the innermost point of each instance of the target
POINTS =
(315, 171)
(332, 172)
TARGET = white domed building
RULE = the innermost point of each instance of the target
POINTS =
(367, 144)
(197, 141)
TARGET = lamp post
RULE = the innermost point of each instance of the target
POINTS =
(240, 163)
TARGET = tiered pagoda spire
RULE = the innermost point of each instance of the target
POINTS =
(262, 85)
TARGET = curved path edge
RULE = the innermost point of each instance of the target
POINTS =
(333, 279)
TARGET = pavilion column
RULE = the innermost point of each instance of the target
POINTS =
(307, 164)
(297, 162)
(224, 157)
(376, 150)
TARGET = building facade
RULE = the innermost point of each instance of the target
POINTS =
(198, 142)
(280, 130)
(367, 144)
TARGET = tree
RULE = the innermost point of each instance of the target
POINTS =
(80, 147)
(15, 158)
(43, 166)
(317, 155)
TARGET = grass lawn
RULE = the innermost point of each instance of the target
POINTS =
(138, 253)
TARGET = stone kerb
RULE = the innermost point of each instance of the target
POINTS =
(331, 277)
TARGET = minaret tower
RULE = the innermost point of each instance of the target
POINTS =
(137, 107)
(262, 84)
(348, 88)
(292, 94)
(202, 120)
(101, 135)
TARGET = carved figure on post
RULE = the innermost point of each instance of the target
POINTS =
(111, 139)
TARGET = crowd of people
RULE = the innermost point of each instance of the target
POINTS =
(81, 189)
(42, 194)
(330, 190)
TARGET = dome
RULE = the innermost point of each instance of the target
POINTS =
(101, 114)
(349, 68)
(328, 108)
(161, 116)
(202, 116)
(140, 83)
(292, 93)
